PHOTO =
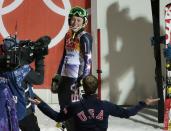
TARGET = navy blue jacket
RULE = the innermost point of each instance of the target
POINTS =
(90, 114)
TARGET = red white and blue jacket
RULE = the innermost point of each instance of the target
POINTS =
(76, 61)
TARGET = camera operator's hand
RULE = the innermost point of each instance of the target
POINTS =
(44, 40)
(41, 46)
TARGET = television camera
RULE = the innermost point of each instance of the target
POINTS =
(16, 53)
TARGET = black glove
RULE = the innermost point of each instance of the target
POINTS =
(41, 46)
(55, 83)
(44, 40)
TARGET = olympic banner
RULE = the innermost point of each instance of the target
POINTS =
(34, 18)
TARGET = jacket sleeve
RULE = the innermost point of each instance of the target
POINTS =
(36, 76)
(62, 60)
(118, 111)
(86, 50)
(48, 111)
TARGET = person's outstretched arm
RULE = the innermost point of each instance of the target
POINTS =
(118, 111)
(48, 111)
(149, 101)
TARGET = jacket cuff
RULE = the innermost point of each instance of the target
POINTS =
(142, 103)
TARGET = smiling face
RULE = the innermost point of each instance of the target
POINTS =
(76, 23)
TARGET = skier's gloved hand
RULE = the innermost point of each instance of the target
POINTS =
(167, 52)
(55, 83)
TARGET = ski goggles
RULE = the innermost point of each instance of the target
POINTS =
(80, 13)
